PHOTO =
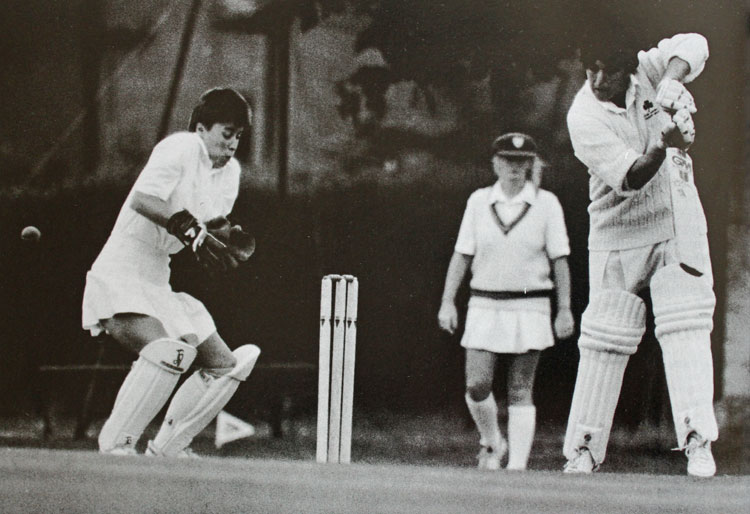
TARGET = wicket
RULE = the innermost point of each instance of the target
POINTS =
(338, 339)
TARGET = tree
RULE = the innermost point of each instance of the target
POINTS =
(450, 46)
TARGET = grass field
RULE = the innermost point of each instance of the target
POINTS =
(400, 464)
(441, 440)
(42, 480)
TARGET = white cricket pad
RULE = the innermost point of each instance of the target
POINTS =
(190, 412)
(144, 392)
(683, 310)
(611, 329)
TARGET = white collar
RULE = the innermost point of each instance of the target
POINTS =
(527, 194)
(629, 96)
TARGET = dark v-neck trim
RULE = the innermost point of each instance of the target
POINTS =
(507, 228)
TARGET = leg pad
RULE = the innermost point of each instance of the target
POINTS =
(683, 311)
(611, 329)
(198, 402)
(144, 392)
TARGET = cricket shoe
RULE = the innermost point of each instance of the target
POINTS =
(153, 451)
(700, 460)
(489, 457)
(582, 463)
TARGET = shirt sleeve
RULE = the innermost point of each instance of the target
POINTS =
(556, 236)
(602, 151)
(163, 170)
(692, 48)
(466, 242)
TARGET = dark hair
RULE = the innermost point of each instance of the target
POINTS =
(220, 105)
(616, 49)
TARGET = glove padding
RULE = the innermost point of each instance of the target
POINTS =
(672, 96)
(210, 252)
(241, 245)
(680, 132)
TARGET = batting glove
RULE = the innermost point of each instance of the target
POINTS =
(679, 132)
(684, 122)
(672, 96)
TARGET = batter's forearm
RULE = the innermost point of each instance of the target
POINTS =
(645, 167)
(677, 69)
(457, 271)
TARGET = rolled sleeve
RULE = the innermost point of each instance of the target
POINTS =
(691, 48)
(602, 151)
(556, 236)
(466, 242)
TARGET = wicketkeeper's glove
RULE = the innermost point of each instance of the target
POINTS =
(241, 244)
(209, 251)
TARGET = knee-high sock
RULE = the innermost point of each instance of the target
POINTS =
(521, 427)
(611, 329)
(144, 392)
(683, 310)
(198, 401)
(484, 414)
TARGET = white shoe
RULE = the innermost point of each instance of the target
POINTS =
(153, 451)
(582, 463)
(700, 460)
(489, 457)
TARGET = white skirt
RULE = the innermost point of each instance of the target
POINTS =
(130, 276)
(508, 326)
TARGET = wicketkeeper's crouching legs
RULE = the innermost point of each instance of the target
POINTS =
(197, 402)
(611, 329)
(144, 392)
(683, 310)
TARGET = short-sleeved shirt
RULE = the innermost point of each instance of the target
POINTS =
(181, 173)
(608, 139)
(131, 273)
(512, 256)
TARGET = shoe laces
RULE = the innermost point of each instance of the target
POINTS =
(581, 454)
(696, 448)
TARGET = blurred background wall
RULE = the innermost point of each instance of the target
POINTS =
(372, 122)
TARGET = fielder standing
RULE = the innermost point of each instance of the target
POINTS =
(514, 242)
(190, 180)
(630, 124)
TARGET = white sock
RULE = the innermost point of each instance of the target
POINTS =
(484, 414)
(521, 427)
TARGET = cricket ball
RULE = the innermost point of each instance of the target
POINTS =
(31, 234)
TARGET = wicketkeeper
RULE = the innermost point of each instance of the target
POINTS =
(181, 199)
(631, 125)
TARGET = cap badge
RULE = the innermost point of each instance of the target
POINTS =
(517, 141)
